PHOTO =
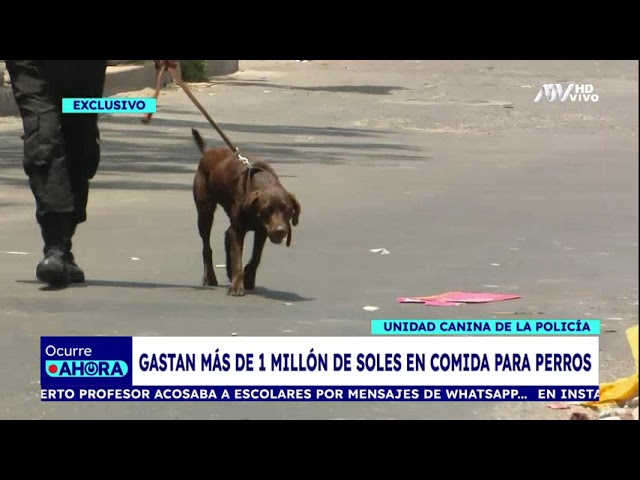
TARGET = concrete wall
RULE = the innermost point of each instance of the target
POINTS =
(214, 67)
(222, 67)
(7, 104)
(129, 78)
(124, 78)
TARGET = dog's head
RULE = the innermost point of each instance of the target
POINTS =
(277, 209)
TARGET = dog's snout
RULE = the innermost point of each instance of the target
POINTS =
(277, 233)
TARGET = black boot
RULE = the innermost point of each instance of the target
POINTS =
(53, 268)
(76, 275)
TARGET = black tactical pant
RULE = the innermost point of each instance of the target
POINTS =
(61, 151)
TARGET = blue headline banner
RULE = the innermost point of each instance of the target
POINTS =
(486, 327)
(109, 105)
(323, 394)
(319, 369)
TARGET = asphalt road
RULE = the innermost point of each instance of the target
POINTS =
(450, 166)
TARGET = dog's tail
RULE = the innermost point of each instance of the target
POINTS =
(199, 141)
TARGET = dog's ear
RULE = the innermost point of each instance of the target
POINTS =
(296, 209)
(250, 201)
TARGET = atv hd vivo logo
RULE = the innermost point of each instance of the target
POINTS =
(574, 92)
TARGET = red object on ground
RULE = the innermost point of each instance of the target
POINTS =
(451, 299)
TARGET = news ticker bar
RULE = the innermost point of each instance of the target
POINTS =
(486, 327)
(323, 394)
(109, 105)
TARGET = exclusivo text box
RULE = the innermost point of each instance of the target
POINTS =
(109, 105)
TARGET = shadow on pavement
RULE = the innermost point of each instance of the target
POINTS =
(129, 149)
(362, 89)
(259, 291)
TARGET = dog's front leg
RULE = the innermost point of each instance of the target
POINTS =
(252, 267)
(236, 242)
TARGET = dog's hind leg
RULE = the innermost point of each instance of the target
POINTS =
(205, 222)
(251, 268)
(227, 251)
(206, 209)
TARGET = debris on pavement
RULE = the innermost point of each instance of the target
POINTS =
(458, 298)
(579, 416)
(135, 259)
(619, 399)
(510, 313)
(623, 389)
(615, 412)
(411, 299)
(381, 251)
(559, 406)
(234, 334)
(221, 265)
(370, 308)
(16, 253)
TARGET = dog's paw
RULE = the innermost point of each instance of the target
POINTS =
(236, 291)
(209, 281)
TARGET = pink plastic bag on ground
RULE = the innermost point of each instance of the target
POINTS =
(451, 299)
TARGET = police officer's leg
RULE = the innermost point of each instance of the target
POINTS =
(82, 141)
(45, 164)
(83, 152)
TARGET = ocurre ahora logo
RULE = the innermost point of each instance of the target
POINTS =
(86, 368)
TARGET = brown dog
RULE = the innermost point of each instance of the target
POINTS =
(254, 200)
